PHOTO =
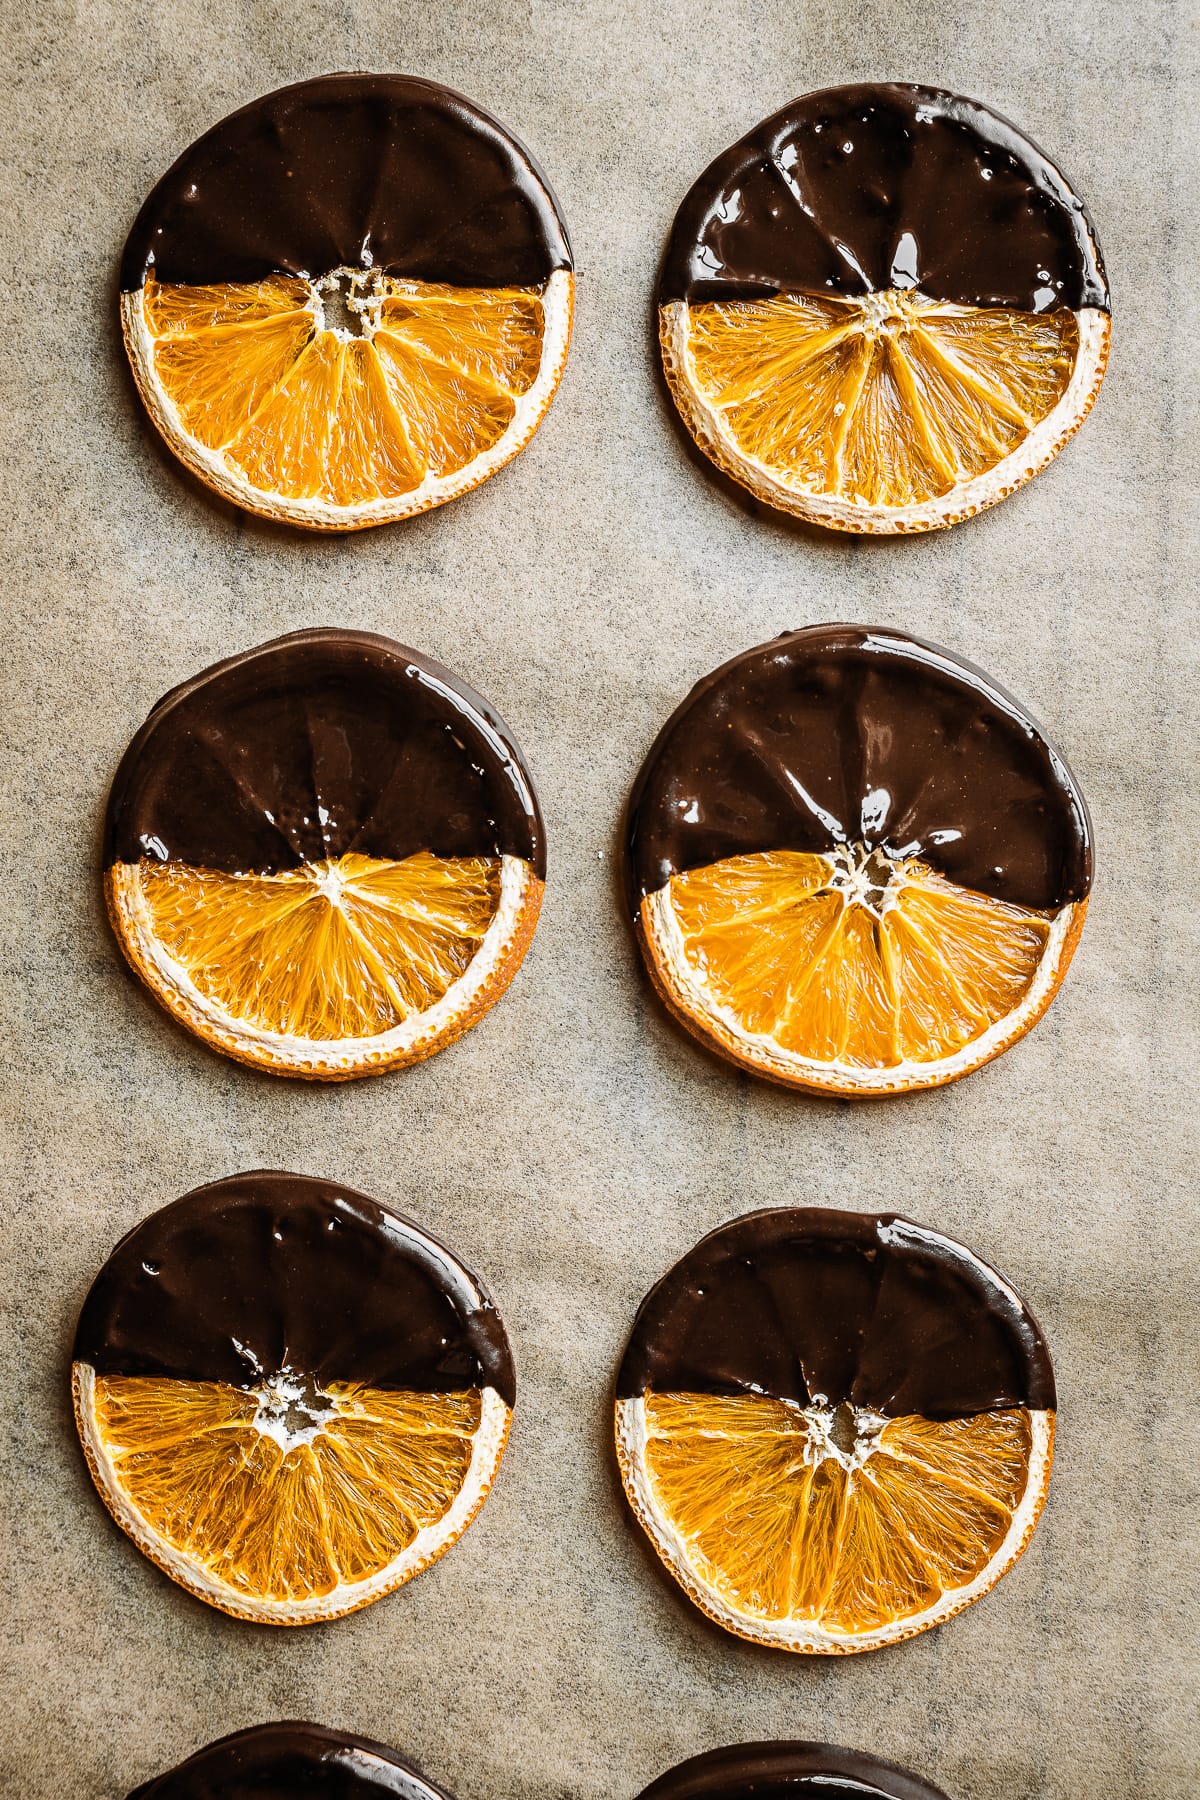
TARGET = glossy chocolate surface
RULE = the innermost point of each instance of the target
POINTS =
(789, 1771)
(352, 171)
(853, 734)
(316, 745)
(263, 1272)
(284, 1761)
(863, 1308)
(857, 189)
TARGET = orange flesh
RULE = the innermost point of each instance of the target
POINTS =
(301, 412)
(911, 977)
(333, 950)
(889, 400)
(782, 1531)
(285, 1525)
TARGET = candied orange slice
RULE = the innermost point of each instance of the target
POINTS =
(889, 412)
(289, 1503)
(349, 400)
(852, 972)
(831, 1530)
(332, 968)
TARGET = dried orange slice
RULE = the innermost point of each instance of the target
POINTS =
(855, 865)
(883, 310)
(349, 302)
(837, 1428)
(324, 857)
(292, 1399)
(788, 1771)
(291, 1758)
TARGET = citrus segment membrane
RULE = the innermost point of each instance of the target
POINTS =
(278, 1497)
(774, 1520)
(331, 970)
(806, 951)
(892, 413)
(345, 948)
(307, 411)
(890, 400)
(852, 972)
(174, 310)
(831, 1529)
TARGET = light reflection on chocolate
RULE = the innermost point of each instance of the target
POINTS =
(860, 734)
(352, 171)
(263, 1272)
(789, 1771)
(855, 190)
(862, 1309)
(317, 745)
(285, 1760)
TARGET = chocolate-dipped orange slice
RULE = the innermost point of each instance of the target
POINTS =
(291, 1398)
(325, 856)
(854, 864)
(291, 1759)
(835, 1427)
(884, 309)
(788, 1771)
(350, 301)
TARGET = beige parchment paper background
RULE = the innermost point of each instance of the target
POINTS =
(575, 1144)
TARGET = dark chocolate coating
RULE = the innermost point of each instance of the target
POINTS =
(260, 1272)
(315, 745)
(352, 171)
(280, 1762)
(788, 1771)
(859, 734)
(863, 1308)
(857, 189)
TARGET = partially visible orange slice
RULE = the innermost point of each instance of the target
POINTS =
(854, 972)
(350, 965)
(889, 413)
(289, 1758)
(293, 416)
(781, 1770)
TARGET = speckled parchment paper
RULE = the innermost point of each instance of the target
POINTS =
(575, 1143)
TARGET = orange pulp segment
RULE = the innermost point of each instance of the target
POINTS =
(804, 950)
(779, 1530)
(891, 399)
(311, 413)
(345, 948)
(284, 1524)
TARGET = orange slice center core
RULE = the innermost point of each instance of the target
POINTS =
(866, 877)
(844, 1434)
(292, 1409)
(889, 313)
(348, 302)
